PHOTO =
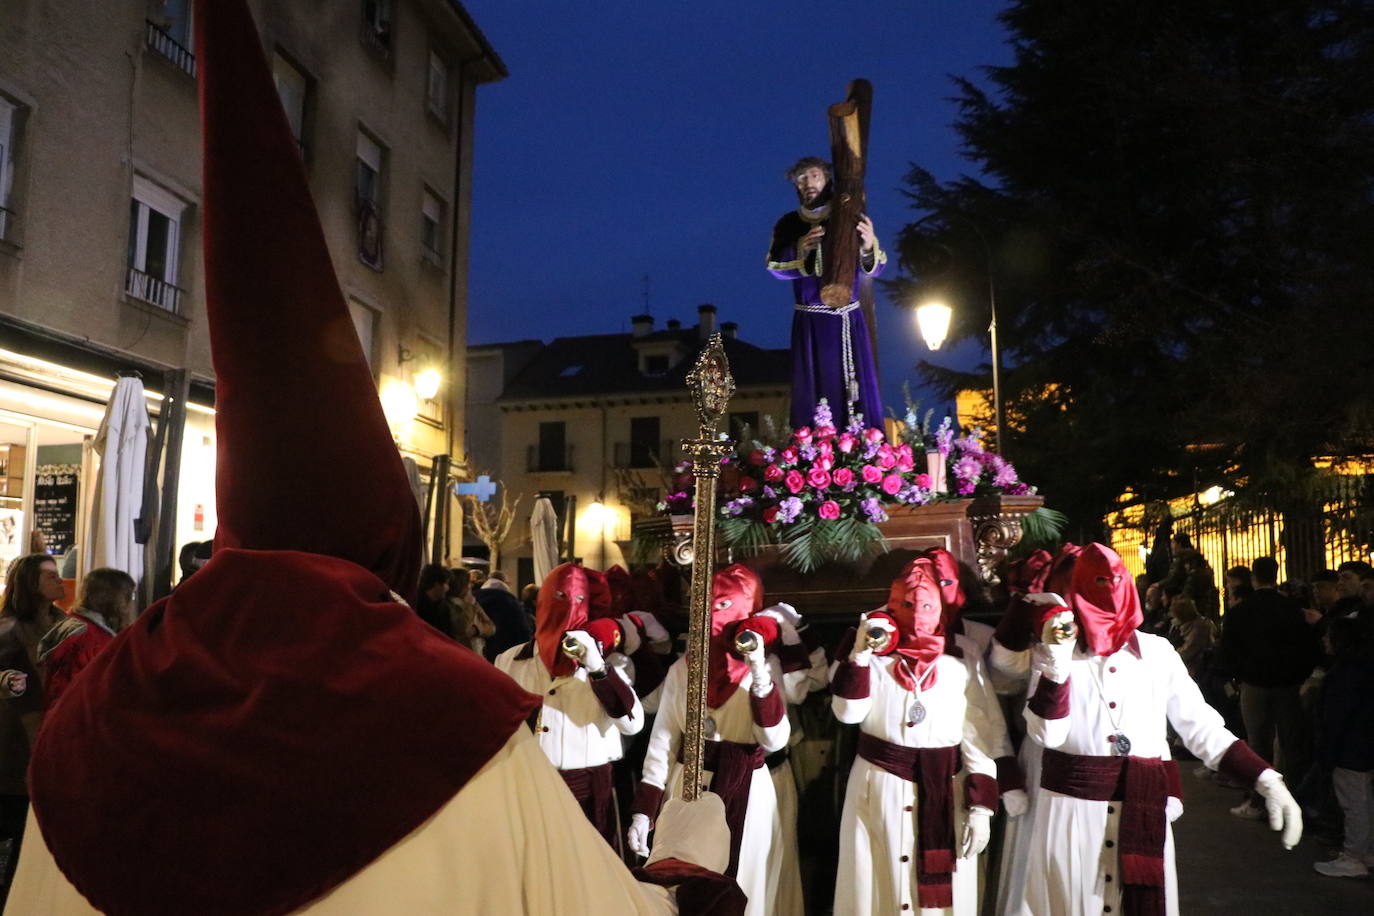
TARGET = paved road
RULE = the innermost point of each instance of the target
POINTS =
(1229, 865)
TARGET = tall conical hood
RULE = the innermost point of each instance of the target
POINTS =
(293, 391)
(1104, 599)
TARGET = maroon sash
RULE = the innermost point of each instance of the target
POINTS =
(732, 765)
(933, 770)
(1141, 785)
(699, 892)
(592, 787)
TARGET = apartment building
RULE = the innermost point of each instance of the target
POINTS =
(593, 422)
(100, 261)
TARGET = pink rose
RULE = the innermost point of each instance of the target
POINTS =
(887, 462)
(904, 451)
(886, 449)
(824, 462)
(872, 474)
(829, 510)
(843, 477)
(923, 481)
(846, 442)
(802, 434)
(757, 459)
(818, 478)
(789, 455)
(874, 435)
(826, 449)
(772, 473)
(770, 515)
(904, 464)
(794, 481)
(892, 483)
(825, 432)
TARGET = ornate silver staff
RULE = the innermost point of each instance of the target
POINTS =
(711, 385)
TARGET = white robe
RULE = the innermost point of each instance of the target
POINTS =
(1066, 858)
(877, 866)
(573, 728)
(513, 840)
(796, 685)
(760, 855)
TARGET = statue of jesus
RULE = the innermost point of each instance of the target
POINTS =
(832, 356)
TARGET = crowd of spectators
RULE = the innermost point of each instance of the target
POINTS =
(1290, 664)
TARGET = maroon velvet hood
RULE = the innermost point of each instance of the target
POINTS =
(281, 720)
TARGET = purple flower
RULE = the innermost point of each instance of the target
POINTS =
(855, 427)
(1003, 474)
(769, 492)
(967, 470)
(789, 509)
(870, 450)
(770, 454)
(808, 452)
(823, 416)
(944, 437)
(873, 509)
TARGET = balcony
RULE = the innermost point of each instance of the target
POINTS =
(147, 288)
(546, 460)
(643, 454)
(168, 47)
(6, 218)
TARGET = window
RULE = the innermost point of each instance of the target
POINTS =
(377, 25)
(169, 32)
(644, 443)
(432, 227)
(367, 192)
(553, 446)
(9, 132)
(436, 95)
(293, 86)
(155, 217)
(365, 323)
(656, 364)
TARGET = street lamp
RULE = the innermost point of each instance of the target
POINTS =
(937, 316)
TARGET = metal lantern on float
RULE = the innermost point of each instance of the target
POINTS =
(933, 320)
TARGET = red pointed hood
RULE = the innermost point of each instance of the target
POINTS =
(600, 601)
(562, 605)
(620, 584)
(1027, 577)
(916, 605)
(269, 683)
(1059, 578)
(951, 589)
(1104, 600)
(736, 592)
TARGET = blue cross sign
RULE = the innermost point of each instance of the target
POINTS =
(482, 488)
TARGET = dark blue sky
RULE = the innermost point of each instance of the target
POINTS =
(650, 138)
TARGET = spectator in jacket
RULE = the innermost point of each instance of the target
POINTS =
(1268, 646)
(1349, 575)
(103, 608)
(432, 601)
(505, 610)
(1193, 633)
(1346, 744)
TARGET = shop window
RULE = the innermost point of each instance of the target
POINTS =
(294, 88)
(155, 219)
(432, 227)
(367, 194)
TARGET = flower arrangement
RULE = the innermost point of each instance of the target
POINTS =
(820, 492)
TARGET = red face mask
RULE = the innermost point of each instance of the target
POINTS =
(561, 606)
(736, 592)
(951, 589)
(1104, 600)
(1028, 576)
(599, 599)
(915, 603)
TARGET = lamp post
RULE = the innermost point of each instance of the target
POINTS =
(933, 318)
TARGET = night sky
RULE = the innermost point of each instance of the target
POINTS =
(636, 139)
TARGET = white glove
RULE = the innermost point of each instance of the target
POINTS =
(652, 628)
(629, 636)
(1016, 802)
(788, 621)
(758, 667)
(861, 654)
(977, 829)
(1055, 651)
(1284, 813)
(591, 658)
(694, 832)
(1173, 808)
(637, 836)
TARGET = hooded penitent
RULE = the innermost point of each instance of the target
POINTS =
(622, 600)
(1104, 600)
(281, 720)
(736, 592)
(561, 606)
(1026, 577)
(951, 589)
(915, 605)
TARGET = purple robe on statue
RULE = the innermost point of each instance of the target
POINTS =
(820, 367)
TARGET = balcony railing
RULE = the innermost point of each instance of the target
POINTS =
(167, 46)
(643, 454)
(376, 34)
(147, 288)
(6, 217)
(543, 460)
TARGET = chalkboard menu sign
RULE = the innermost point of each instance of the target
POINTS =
(55, 495)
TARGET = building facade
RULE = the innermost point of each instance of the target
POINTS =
(596, 424)
(100, 258)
